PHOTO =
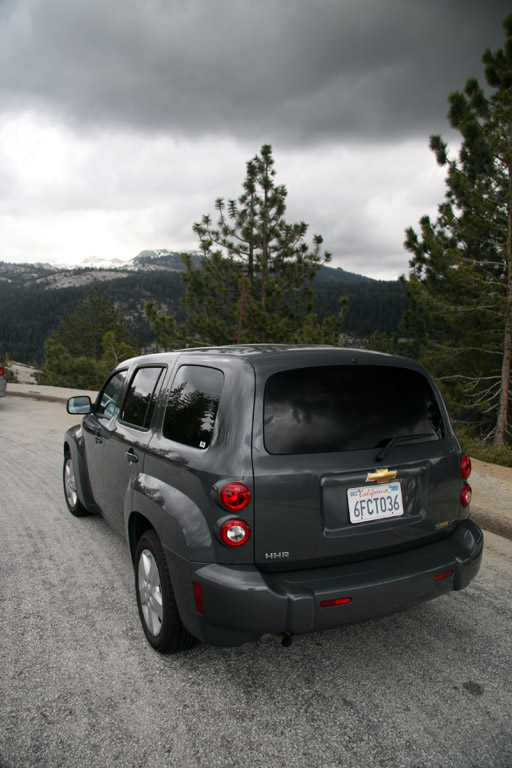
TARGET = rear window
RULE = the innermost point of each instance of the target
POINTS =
(192, 405)
(346, 408)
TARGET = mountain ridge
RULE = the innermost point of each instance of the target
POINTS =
(60, 275)
(35, 298)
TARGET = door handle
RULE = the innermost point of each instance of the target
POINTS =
(131, 456)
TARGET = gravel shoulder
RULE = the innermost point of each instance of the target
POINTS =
(491, 507)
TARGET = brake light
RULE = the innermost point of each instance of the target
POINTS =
(1, 371)
(465, 467)
(465, 497)
(235, 497)
(234, 532)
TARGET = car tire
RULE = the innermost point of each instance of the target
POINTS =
(158, 611)
(74, 504)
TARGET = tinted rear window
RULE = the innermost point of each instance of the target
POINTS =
(346, 408)
(192, 405)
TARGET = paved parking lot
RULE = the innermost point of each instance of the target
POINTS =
(80, 687)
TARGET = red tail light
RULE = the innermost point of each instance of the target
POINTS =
(465, 497)
(235, 532)
(465, 467)
(235, 497)
(1, 371)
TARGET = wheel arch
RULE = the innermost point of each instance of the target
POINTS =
(73, 449)
(178, 522)
(138, 524)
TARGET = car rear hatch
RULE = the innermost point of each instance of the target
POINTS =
(353, 461)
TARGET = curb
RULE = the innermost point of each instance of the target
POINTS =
(40, 396)
(46, 393)
(491, 523)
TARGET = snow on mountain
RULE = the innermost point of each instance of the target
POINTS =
(95, 262)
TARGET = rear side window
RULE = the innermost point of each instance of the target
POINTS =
(192, 405)
(139, 402)
(346, 408)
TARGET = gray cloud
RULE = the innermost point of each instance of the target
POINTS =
(304, 70)
(122, 122)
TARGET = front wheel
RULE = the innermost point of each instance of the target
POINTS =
(155, 598)
(74, 504)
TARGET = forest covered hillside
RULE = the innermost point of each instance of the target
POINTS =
(33, 298)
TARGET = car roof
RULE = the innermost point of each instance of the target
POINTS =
(266, 356)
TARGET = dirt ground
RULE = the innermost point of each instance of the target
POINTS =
(500, 473)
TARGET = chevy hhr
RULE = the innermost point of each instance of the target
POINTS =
(274, 489)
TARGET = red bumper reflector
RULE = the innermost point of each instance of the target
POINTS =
(198, 594)
(444, 575)
(338, 601)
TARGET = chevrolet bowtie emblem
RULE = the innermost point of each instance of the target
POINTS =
(381, 476)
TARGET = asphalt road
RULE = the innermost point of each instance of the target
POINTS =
(80, 687)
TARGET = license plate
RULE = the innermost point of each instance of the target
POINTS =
(375, 502)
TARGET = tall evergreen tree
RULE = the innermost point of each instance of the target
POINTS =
(460, 281)
(94, 316)
(86, 346)
(254, 281)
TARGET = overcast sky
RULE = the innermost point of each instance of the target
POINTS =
(121, 121)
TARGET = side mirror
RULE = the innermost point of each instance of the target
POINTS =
(79, 405)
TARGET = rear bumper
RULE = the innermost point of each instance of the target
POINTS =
(241, 603)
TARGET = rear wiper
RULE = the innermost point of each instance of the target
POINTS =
(390, 442)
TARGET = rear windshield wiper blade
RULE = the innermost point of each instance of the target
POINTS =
(390, 442)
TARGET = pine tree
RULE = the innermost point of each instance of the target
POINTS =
(94, 316)
(460, 281)
(254, 281)
(85, 347)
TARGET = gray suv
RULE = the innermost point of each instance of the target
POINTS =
(274, 488)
